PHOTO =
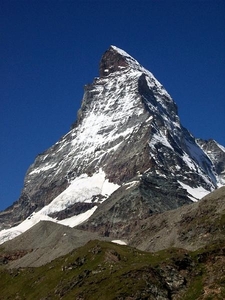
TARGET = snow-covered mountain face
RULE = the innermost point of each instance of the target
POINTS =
(127, 134)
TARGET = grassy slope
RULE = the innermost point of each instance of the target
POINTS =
(103, 270)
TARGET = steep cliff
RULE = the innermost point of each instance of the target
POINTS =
(127, 152)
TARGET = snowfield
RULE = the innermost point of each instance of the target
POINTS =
(195, 193)
(81, 189)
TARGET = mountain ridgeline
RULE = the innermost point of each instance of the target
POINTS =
(126, 158)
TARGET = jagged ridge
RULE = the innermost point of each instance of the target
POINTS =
(127, 128)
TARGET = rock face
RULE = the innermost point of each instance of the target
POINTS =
(127, 138)
(216, 153)
(189, 227)
(122, 213)
(111, 62)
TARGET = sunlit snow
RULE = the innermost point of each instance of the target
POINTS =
(81, 189)
(196, 193)
(44, 168)
(159, 138)
(136, 66)
(76, 220)
(119, 242)
(221, 147)
(131, 184)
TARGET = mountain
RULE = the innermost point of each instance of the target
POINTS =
(126, 157)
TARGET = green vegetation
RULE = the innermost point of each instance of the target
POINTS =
(195, 290)
(103, 270)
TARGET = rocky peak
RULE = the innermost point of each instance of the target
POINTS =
(128, 136)
(112, 61)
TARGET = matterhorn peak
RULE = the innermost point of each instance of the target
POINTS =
(126, 157)
(116, 59)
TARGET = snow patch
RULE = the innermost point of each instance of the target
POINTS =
(131, 184)
(221, 147)
(9, 234)
(45, 168)
(76, 220)
(160, 138)
(196, 193)
(120, 242)
(81, 189)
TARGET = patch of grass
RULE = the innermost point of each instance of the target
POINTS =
(195, 290)
(104, 270)
(96, 269)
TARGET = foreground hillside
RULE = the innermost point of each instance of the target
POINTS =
(104, 270)
(190, 227)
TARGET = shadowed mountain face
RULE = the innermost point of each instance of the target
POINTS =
(126, 157)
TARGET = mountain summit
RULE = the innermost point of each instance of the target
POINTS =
(126, 157)
(115, 59)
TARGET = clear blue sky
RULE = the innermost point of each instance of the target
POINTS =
(50, 49)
